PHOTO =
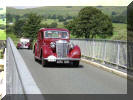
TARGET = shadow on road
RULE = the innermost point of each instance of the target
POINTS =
(55, 65)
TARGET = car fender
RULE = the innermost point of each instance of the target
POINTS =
(46, 51)
(18, 45)
(75, 52)
(35, 49)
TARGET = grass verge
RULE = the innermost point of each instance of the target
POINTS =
(2, 35)
(13, 37)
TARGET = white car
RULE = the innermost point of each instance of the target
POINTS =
(24, 43)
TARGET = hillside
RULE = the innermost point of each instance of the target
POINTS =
(64, 10)
(119, 29)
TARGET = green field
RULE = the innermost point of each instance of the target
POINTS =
(13, 37)
(119, 31)
(2, 35)
(2, 22)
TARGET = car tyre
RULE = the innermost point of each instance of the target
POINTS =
(35, 58)
(75, 63)
(44, 62)
(33, 50)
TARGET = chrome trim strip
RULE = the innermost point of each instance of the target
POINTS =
(64, 59)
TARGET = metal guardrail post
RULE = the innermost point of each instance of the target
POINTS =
(93, 45)
(104, 49)
(118, 53)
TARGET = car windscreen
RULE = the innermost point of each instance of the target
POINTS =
(56, 34)
(24, 40)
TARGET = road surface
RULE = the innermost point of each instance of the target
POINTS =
(65, 79)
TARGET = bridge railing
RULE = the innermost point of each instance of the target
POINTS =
(18, 78)
(107, 51)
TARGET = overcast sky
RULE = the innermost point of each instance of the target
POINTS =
(34, 3)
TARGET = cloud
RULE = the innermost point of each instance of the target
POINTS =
(2, 3)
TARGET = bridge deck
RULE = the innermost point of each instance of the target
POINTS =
(65, 79)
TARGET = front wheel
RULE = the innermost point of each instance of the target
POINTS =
(35, 58)
(44, 62)
(75, 63)
(29, 48)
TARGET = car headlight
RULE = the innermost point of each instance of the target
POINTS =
(52, 44)
(71, 45)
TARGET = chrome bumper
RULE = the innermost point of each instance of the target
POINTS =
(24, 47)
(64, 59)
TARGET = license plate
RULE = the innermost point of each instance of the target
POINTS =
(66, 61)
(59, 61)
(51, 60)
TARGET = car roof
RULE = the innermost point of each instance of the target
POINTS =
(25, 38)
(61, 29)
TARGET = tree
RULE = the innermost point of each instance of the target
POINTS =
(16, 17)
(130, 17)
(9, 28)
(65, 23)
(18, 27)
(53, 16)
(71, 26)
(32, 25)
(61, 18)
(90, 23)
(49, 17)
(129, 25)
(2, 26)
(45, 25)
(9, 18)
(113, 13)
(69, 17)
(121, 18)
(68, 6)
(53, 25)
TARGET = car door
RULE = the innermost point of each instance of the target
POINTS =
(40, 42)
(38, 39)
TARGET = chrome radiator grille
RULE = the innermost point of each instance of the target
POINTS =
(61, 48)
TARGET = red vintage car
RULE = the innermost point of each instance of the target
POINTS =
(53, 45)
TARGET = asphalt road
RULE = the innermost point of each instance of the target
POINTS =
(65, 79)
